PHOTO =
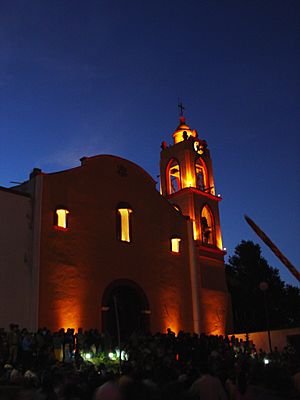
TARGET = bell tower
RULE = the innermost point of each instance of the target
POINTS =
(187, 181)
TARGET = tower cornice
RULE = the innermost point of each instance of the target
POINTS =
(193, 190)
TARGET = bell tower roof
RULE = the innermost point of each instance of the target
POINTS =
(183, 130)
(182, 124)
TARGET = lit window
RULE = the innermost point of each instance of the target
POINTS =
(124, 222)
(61, 215)
(175, 245)
(173, 177)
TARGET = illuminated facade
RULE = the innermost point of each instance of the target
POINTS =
(187, 162)
(102, 241)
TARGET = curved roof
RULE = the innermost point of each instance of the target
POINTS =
(181, 129)
(85, 160)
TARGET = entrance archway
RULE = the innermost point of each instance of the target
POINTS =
(127, 301)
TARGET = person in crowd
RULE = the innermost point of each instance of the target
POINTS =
(207, 386)
(13, 343)
(53, 365)
(108, 391)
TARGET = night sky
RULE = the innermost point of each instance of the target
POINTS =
(80, 78)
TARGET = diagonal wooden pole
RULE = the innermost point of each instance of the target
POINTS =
(118, 330)
(273, 247)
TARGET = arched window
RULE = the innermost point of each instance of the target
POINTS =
(61, 218)
(201, 175)
(124, 229)
(173, 177)
(207, 226)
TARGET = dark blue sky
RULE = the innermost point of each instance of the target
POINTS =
(89, 77)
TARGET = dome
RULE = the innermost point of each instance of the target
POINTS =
(181, 128)
(182, 125)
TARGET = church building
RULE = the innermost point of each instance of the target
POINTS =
(96, 244)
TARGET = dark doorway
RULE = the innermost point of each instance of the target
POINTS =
(294, 340)
(132, 310)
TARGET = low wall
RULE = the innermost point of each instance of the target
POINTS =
(279, 338)
(16, 274)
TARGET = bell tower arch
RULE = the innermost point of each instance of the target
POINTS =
(187, 163)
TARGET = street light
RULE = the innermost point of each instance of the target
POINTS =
(264, 287)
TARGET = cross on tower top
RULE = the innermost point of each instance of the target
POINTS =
(181, 107)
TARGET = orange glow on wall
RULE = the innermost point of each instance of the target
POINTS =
(214, 311)
(125, 224)
(173, 327)
(170, 310)
(189, 180)
(67, 287)
(62, 217)
(69, 313)
(219, 242)
(171, 322)
(196, 233)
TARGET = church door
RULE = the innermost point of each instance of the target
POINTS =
(126, 303)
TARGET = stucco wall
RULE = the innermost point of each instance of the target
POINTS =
(78, 264)
(279, 338)
(15, 259)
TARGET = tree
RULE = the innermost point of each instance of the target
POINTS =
(245, 271)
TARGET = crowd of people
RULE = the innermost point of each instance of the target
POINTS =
(65, 365)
